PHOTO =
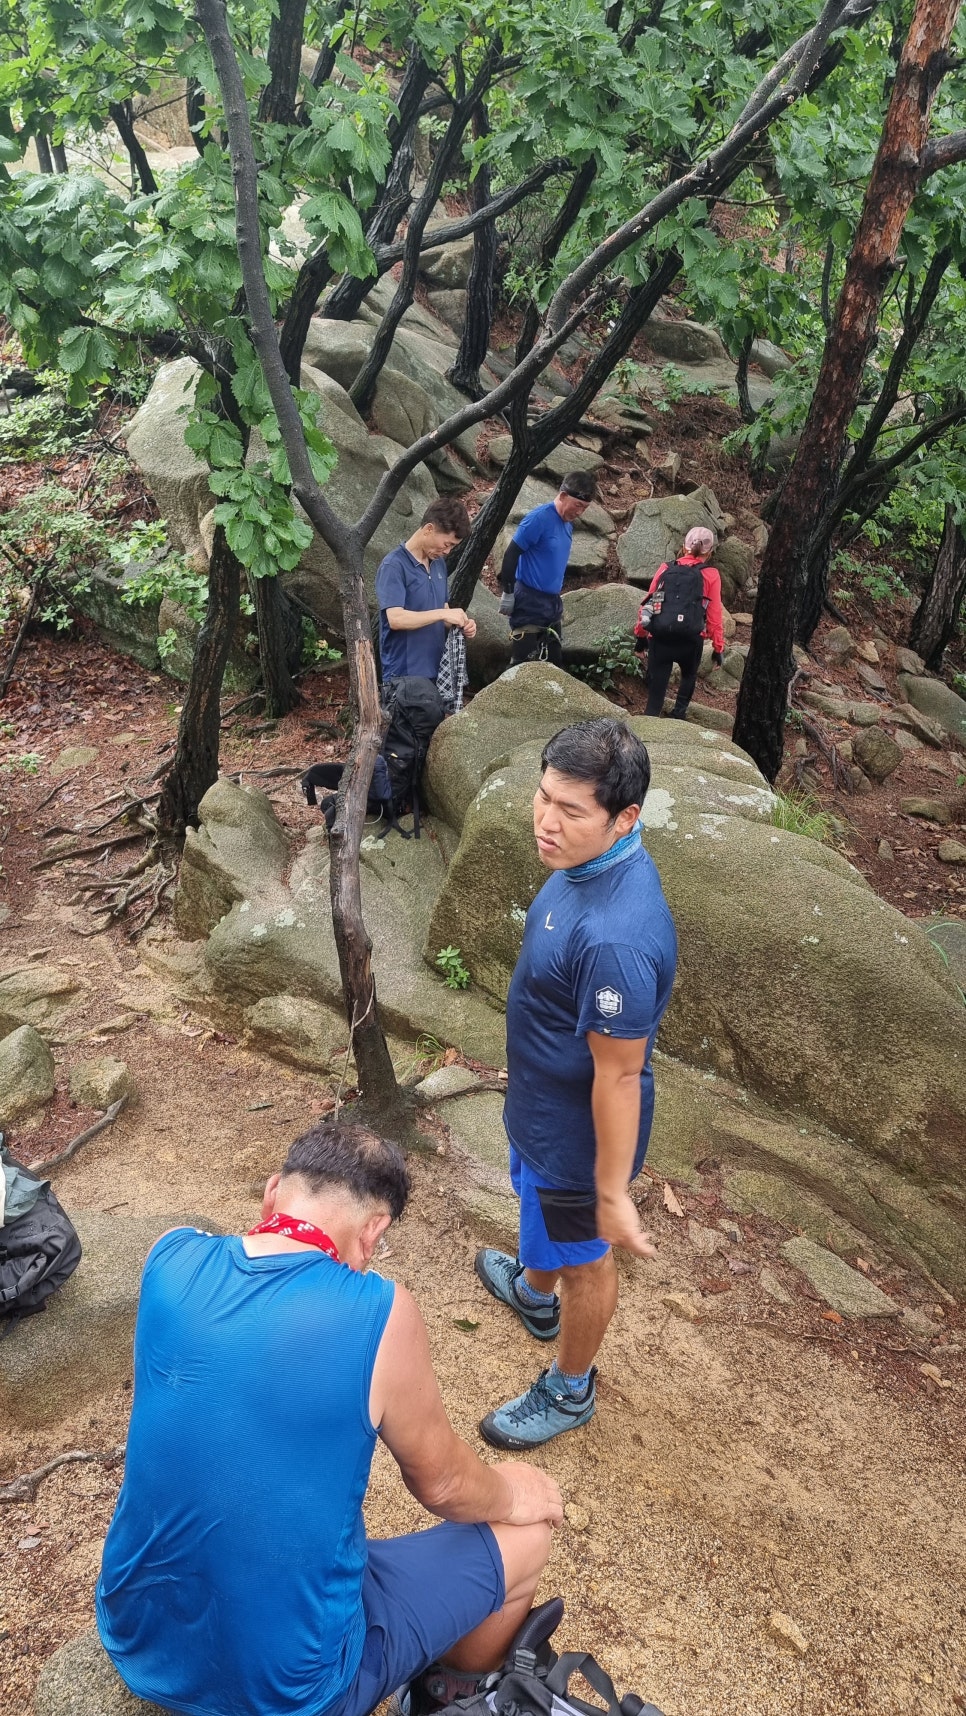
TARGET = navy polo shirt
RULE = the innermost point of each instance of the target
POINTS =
(597, 955)
(544, 541)
(402, 581)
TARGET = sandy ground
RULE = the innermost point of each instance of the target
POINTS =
(761, 1460)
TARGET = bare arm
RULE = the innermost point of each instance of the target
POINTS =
(616, 1107)
(438, 1467)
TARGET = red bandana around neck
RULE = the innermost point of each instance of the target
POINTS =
(291, 1227)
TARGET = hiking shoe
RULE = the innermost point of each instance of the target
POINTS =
(499, 1275)
(437, 1686)
(545, 1411)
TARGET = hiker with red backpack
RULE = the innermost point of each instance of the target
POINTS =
(681, 609)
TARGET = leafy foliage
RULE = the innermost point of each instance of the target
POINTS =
(616, 658)
(798, 813)
(449, 961)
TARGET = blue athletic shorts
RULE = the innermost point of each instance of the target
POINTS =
(558, 1227)
(420, 1594)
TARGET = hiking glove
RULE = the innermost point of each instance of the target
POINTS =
(716, 658)
(506, 602)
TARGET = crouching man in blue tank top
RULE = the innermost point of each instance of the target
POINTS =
(590, 987)
(237, 1579)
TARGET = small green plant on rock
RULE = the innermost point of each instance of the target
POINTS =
(798, 813)
(449, 961)
(616, 655)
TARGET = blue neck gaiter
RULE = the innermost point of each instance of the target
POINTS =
(617, 854)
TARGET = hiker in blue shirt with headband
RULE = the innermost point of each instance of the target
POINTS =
(591, 984)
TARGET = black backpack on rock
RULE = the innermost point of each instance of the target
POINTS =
(415, 709)
(39, 1248)
(681, 615)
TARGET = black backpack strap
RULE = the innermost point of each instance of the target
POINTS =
(581, 1662)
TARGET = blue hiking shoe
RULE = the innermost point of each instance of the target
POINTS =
(545, 1411)
(499, 1275)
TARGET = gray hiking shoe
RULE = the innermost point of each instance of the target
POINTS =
(499, 1274)
(546, 1410)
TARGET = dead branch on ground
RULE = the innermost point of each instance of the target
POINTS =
(24, 1488)
(107, 1119)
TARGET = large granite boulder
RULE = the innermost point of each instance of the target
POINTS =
(937, 701)
(448, 265)
(682, 341)
(178, 478)
(26, 1074)
(238, 848)
(38, 995)
(277, 940)
(590, 616)
(795, 980)
(658, 528)
(81, 1680)
(80, 1345)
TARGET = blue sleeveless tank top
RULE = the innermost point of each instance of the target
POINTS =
(233, 1566)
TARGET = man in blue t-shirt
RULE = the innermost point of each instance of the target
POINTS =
(590, 987)
(237, 1577)
(533, 570)
(411, 593)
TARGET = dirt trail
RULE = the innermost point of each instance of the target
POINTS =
(759, 1460)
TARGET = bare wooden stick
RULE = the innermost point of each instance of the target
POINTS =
(107, 1119)
(56, 789)
(25, 1487)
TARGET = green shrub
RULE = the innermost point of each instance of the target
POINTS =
(798, 813)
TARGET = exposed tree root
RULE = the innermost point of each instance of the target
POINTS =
(107, 1119)
(24, 1488)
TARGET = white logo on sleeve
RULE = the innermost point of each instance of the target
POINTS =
(610, 1002)
(548, 924)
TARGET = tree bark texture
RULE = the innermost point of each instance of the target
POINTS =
(285, 36)
(762, 698)
(938, 613)
(120, 112)
(475, 338)
(195, 765)
(279, 645)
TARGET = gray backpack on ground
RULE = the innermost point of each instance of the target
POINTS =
(39, 1248)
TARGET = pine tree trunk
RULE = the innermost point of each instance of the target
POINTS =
(938, 613)
(195, 765)
(377, 1079)
(475, 339)
(813, 478)
(279, 645)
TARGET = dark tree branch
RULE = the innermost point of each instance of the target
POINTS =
(120, 112)
(325, 64)
(943, 152)
(387, 255)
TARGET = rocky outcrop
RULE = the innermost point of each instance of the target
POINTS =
(26, 1074)
(81, 1680)
(99, 1082)
(38, 995)
(658, 528)
(937, 702)
(238, 848)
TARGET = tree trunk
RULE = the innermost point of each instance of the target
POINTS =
(938, 613)
(377, 1078)
(279, 645)
(123, 117)
(762, 697)
(42, 146)
(59, 155)
(465, 373)
(533, 443)
(195, 765)
(285, 35)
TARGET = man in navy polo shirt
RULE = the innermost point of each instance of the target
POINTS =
(414, 611)
(591, 984)
(533, 569)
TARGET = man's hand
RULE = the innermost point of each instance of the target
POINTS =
(534, 1495)
(618, 1222)
(458, 617)
(469, 629)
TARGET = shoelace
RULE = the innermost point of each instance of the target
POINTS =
(539, 1396)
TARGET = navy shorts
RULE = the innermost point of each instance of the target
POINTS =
(420, 1594)
(558, 1227)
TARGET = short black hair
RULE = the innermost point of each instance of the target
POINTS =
(448, 515)
(580, 485)
(352, 1159)
(607, 754)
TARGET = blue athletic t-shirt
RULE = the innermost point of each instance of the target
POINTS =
(597, 955)
(544, 541)
(232, 1571)
(402, 581)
